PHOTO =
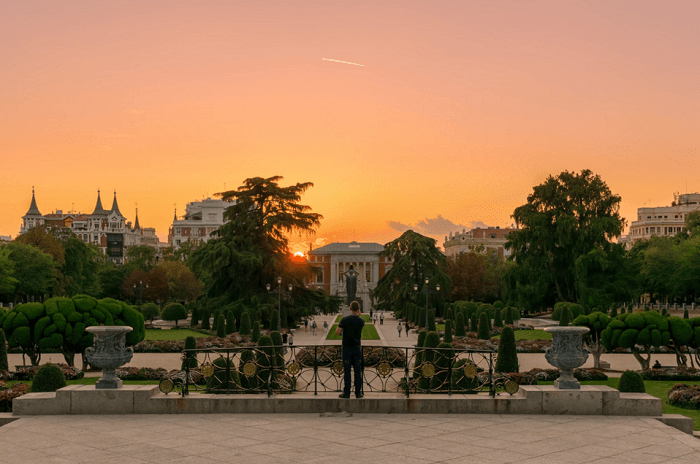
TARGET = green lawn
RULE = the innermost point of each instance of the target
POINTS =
(178, 334)
(657, 388)
(537, 334)
(369, 332)
(365, 317)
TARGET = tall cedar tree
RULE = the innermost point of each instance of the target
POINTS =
(252, 249)
(415, 258)
(564, 241)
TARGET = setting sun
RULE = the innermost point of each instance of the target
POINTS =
(299, 254)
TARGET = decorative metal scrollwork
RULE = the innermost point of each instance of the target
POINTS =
(384, 369)
(338, 368)
(249, 369)
(293, 369)
(428, 370)
(207, 370)
(470, 370)
(166, 386)
(511, 387)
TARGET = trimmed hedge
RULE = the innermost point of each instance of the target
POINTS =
(49, 378)
(631, 382)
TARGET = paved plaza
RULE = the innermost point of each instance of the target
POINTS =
(342, 438)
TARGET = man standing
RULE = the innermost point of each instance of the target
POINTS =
(398, 327)
(351, 328)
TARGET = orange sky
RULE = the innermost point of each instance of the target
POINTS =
(458, 111)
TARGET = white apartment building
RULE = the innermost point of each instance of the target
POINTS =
(200, 220)
(662, 220)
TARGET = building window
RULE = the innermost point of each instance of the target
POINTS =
(177, 230)
(368, 275)
(177, 242)
(319, 276)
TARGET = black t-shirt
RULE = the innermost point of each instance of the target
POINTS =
(352, 331)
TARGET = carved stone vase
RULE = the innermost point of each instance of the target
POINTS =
(567, 353)
(108, 352)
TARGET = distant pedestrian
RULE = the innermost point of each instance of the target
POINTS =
(325, 328)
(306, 324)
(381, 319)
(291, 339)
(398, 327)
(313, 327)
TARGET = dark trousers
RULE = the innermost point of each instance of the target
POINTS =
(352, 358)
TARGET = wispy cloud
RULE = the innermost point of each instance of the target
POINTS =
(434, 226)
(339, 61)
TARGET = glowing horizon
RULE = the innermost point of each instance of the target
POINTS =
(459, 110)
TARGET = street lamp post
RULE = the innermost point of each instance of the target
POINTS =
(427, 292)
(140, 286)
(279, 301)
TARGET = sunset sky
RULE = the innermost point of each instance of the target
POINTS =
(458, 110)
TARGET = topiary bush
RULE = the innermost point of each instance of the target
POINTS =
(459, 325)
(442, 361)
(432, 340)
(205, 320)
(484, 333)
(507, 360)
(49, 378)
(174, 312)
(273, 321)
(448, 331)
(255, 335)
(508, 319)
(431, 321)
(3, 352)
(230, 323)
(221, 326)
(565, 319)
(194, 319)
(473, 323)
(149, 311)
(244, 329)
(497, 321)
(266, 361)
(631, 382)
(220, 382)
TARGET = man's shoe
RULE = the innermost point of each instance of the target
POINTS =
(359, 395)
(343, 395)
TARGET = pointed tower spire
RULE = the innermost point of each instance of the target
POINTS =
(115, 206)
(136, 225)
(175, 218)
(33, 209)
(99, 210)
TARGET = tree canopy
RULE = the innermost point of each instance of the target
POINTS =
(415, 258)
(564, 220)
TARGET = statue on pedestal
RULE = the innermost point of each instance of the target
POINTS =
(351, 285)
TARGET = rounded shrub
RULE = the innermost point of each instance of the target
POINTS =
(565, 319)
(48, 378)
(150, 311)
(498, 304)
(484, 332)
(174, 312)
(631, 382)
(507, 360)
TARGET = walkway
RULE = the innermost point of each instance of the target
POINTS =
(342, 438)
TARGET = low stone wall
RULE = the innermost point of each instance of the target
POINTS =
(147, 399)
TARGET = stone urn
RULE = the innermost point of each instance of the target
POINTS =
(567, 353)
(108, 352)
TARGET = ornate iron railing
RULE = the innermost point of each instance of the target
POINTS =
(287, 369)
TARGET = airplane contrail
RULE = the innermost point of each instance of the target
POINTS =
(338, 61)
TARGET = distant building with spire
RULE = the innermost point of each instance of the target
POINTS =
(107, 229)
(200, 220)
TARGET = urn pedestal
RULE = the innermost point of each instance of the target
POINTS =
(567, 353)
(108, 352)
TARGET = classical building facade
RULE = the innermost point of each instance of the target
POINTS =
(333, 260)
(492, 239)
(107, 229)
(662, 220)
(200, 220)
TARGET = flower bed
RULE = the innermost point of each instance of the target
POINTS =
(8, 394)
(28, 373)
(683, 395)
(672, 373)
(176, 346)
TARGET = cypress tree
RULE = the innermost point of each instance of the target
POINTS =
(248, 383)
(273, 320)
(507, 360)
(279, 351)
(190, 358)
(432, 340)
(221, 326)
(448, 331)
(230, 323)
(497, 321)
(194, 318)
(256, 332)
(474, 324)
(450, 313)
(283, 315)
(442, 360)
(459, 325)
(484, 332)
(266, 359)
(215, 321)
(245, 324)
(3, 353)
(431, 321)
(421, 318)
(509, 316)
(565, 318)
(685, 313)
(205, 320)
(419, 352)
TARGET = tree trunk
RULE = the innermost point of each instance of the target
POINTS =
(642, 362)
(681, 359)
(34, 357)
(69, 357)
